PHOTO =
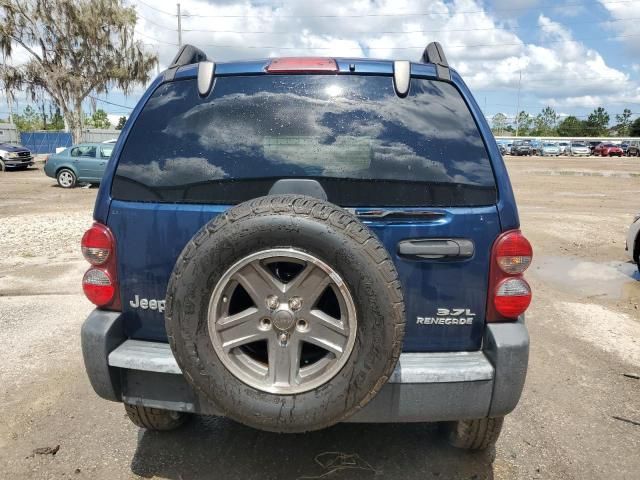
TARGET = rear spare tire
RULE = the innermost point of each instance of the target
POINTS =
(286, 312)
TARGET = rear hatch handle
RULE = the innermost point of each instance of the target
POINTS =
(436, 248)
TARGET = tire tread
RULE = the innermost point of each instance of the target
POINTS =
(475, 434)
(154, 418)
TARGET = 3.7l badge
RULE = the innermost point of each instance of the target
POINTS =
(446, 316)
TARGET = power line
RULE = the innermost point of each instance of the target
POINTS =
(156, 8)
(156, 24)
(413, 47)
(110, 103)
(508, 30)
(155, 39)
(407, 14)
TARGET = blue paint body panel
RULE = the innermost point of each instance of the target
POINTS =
(151, 236)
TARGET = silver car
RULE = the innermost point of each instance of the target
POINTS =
(578, 149)
(549, 150)
(564, 147)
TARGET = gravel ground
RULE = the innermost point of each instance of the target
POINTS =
(584, 324)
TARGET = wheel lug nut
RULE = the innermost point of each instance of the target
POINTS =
(273, 302)
(295, 303)
(265, 323)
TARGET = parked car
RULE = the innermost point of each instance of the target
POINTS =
(82, 163)
(632, 245)
(111, 140)
(593, 144)
(608, 150)
(535, 147)
(549, 149)
(252, 279)
(14, 157)
(624, 146)
(521, 147)
(578, 149)
(505, 147)
(633, 150)
(564, 148)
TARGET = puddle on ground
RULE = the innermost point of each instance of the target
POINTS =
(609, 280)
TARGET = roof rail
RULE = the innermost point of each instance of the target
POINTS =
(187, 55)
(435, 54)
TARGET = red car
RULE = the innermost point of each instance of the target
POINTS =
(608, 150)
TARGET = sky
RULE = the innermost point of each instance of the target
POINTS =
(573, 55)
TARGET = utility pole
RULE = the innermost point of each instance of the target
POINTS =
(518, 104)
(179, 27)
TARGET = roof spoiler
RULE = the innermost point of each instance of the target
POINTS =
(187, 55)
(435, 54)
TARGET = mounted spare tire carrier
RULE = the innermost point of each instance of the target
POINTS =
(286, 312)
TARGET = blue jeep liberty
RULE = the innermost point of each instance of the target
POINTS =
(297, 242)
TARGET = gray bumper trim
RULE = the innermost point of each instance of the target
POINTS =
(411, 368)
(147, 356)
(425, 387)
(101, 333)
(507, 347)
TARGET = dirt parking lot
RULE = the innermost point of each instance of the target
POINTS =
(579, 417)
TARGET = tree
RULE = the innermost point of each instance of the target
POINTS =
(545, 122)
(523, 123)
(99, 119)
(634, 129)
(499, 123)
(75, 48)
(624, 122)
(29, 120)
(571, 127)
(597, 122)
(56, 122)
(121, 122)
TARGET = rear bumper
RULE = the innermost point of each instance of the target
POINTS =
(425, 387)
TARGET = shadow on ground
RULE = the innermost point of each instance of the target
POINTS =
(219, 448)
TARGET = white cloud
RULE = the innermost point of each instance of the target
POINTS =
(555, 68)
(625, 27)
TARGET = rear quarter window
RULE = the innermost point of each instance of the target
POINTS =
(352, 133)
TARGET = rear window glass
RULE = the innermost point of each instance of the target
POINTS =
(352, 133)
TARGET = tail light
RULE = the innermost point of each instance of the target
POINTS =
(509, 292)
(100, 283)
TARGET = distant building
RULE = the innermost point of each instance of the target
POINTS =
(9, 134)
